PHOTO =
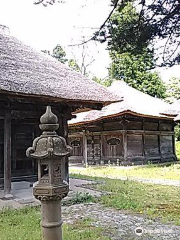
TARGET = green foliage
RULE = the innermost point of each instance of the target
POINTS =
(81, 198)
(177, 132)
(155, 20)
(59, 54)
(132, 60)
(124, 30)
(178, 149)
(73, 64)
(134, 70)
(105, 82)
(173, 90)
(98, 80)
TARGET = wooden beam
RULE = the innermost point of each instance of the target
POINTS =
(7, 154)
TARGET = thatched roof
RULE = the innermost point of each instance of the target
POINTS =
(134, 102)
(173, 109)
(25, 71)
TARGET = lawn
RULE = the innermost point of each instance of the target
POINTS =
(149, 172)
(153, 201)
(24, 224)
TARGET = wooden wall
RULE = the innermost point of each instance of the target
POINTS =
(126, 140)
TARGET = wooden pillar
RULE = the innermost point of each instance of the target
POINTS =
(159, 140)
(124, 139)
(144, 141)
(65, 125)
(102, 152)
(7, 154)
(125, 145)
(85, 149)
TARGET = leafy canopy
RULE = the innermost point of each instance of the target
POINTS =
(130, 63)
(144, 23)
(173, 90)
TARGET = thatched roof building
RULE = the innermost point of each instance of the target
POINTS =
(30, 80)
(25, 71)
(132, 131)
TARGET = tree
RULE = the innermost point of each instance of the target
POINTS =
(157, 20)
(73, 64)
(151, 21)
(134, 70)
(173, 90)
(45, 3)
(59, 54)
(173, 93)
(130, 64)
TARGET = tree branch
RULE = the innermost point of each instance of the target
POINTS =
(101, 27)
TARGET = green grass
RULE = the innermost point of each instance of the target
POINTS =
(80, 197)
(154, 201)
(24, 224)
(171, 172)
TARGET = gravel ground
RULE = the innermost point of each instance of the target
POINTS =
(120, 225)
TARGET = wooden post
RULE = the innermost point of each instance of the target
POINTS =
(125, 145)
(102, 153)
(7, 154)
(85, 149)
(124, 139)
(159, 140)
(66, 158)
(144, 141)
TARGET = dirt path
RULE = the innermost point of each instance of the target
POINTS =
(120, 225)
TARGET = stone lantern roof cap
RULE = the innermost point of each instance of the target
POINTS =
(49, 144)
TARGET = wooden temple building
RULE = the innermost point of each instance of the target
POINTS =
(29, 81)
(133, 131)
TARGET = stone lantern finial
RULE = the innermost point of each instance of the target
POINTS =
(49, 121)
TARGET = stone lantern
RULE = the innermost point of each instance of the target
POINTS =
(50, 150)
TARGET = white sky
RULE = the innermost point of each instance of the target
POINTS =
(64, 24)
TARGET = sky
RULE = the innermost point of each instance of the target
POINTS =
(65, 24)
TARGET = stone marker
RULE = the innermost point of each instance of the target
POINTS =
(50, 149)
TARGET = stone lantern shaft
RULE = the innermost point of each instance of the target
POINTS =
(50, 151)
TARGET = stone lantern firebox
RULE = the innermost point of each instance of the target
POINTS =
(50, 149)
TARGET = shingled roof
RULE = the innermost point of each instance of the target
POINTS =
(134, 102)
(25, 71)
